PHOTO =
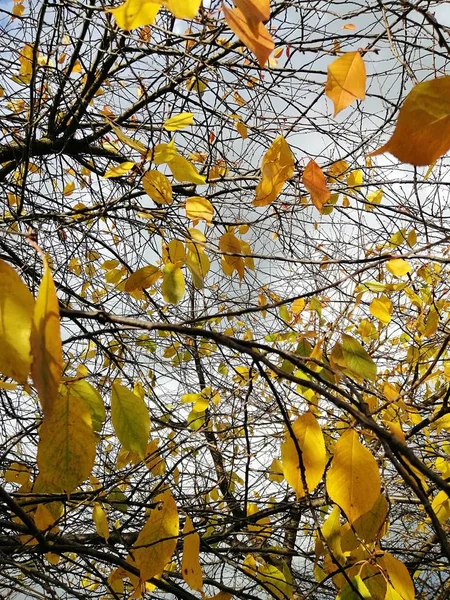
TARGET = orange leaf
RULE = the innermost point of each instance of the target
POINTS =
(251, 33)
(314, 181)
(346, 81)
(254, 10)
(422, 133)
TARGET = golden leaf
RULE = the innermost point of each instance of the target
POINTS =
(353, 480)
(315, 182)
(135, 13)
(346, 81)
(119, 170)
(46, 348)
(252, 33)
(143, 278)
(100, 521)
(309, 439)
(276, 168)
(16, 316)
(173, 285)
(199, 209)
(190, 564)
(381, 309)
(183, 9)
(158, 187)
(179, 121)
(157, 540)
(398, 267)
(183, 170)
(130, 419)
(422, 132)
(399, 577)
(66, 450)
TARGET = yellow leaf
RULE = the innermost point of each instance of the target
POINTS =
(353, 481)
(298, 305)
(198, 208)
(119, 170)
(183, 9)
(135, 13)
(100, 521)
(314, 181)
(357, 359)
(369, 525)
(276, 168)
(431, 323)
(399, 577)
(17, 9)
(422, 132)
(130, 419)
(179, 121)
(241, 129)
(17, 473)
(196, 85)
(173, 285)
(441, 506)
(275, 581)
(331, 531)
(134, 144)
(381, 309)
(183, 170)
(68, 189)
(174, 252)
(163, 153)
(143, 278)
(190, 564)
(158, 187)
(198, 264)
(153, 460)
(66, 450)
(26, 62)
(346, 81)
(398, 267)
(251, 32)
(230, 244)
(276, 471)
(354, 180)
(373, 198)
(92, 399)
(157, 540)
(46, 348)
(43, 518)
(309, 439)
(16, 316)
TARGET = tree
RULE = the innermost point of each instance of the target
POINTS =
(224, 325)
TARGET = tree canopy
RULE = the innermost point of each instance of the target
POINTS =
(224, 313)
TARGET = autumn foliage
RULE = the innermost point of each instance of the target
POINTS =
(224, 340)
